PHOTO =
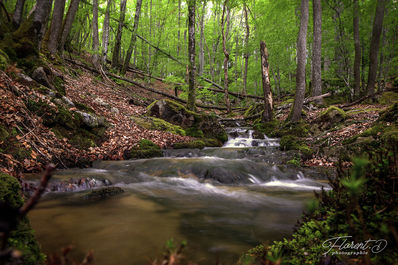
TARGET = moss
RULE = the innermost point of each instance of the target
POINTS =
(298, 129)
(390, 114)
(145, 149)
(22, 238)
(59, 85)
(152, 123)
(194, 132)
(196, 144)
(388, 98)
(334, 109)
(254, 109)
(294, 162)
(83, 107)
(210, 142)
(3, 133)
(290, 142)
(4, 60)
(267, 128)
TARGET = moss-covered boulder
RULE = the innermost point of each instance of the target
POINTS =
(144, 149)
(196, 144)
(152, 123)
(22, 236)
(330, 117)
(290, 142)
(83, 131)
(194, 124)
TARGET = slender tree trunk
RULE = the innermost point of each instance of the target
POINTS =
(357, 47)
(226, 54)
(150, 37)
(95, 33)
(191, 54)
(201, 44)
(17, 17)
(179, 25)
(133, 36)
(105, 33)
(236, 57)
(301, 61)
(56, 26)
(70, 16)
(374, 45)
(267, 114)
(246, 54)
(118, 40)
(316, 51)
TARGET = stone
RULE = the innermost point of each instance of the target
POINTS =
(68, 101)
(91, 120)
(115, 110)
(40, 76)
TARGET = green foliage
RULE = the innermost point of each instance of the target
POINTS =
(4, 60)
(196, 144)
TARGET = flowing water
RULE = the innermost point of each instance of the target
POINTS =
(222, 201)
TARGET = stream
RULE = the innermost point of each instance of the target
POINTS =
(222, 201)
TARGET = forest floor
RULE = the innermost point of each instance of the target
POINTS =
(118, 104)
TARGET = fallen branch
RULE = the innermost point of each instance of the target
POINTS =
(236, 94)
(361, 99)
(242, 119)
(306, 101)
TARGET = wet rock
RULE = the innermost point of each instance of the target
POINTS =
(103, 193)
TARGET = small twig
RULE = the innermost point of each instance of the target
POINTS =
(36, 196)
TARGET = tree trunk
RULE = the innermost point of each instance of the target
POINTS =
(95, 33)
(316, 51)
(301, 61)
(118, 40)
(56, 26)
(179, 25)
(133, 36)
(191, 54)
(201, 44)
(148, 63)
(357, 47)
(105, 33)
(226, 54)
(17, 17)
(70, 16)
(374, 45)
(267, 114)
(246, 54)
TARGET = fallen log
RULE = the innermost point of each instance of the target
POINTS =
(145, 87)
(306, 101)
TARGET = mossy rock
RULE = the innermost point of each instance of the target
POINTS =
(330, 117)
(253, 110)
(152, 123)
(390, 114)
(145, 149)
(267, 128)
(388, 98)
(290, 142)
(22, 237)
(196, 144)
(193, 123)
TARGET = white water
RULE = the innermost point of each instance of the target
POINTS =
(243, 137)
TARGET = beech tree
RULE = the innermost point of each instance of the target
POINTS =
(301, 61)
(95, 33)
(316, 50)
(133, 36)
(225, 21)
(267, 114)
(56, 26)
(118, 39)
(67, 25)
(191, 54)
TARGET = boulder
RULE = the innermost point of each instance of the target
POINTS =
(195, 124)
(40, 76)
(330, 117)
(91, 120)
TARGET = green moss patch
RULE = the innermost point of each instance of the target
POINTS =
(388, 98)
(196, 144)
(152, 123)
(290, 142)
(145, 149)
